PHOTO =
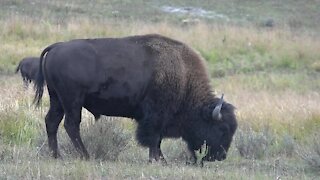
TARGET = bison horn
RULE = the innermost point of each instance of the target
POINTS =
(216, 114)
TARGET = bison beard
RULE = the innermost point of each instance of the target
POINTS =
(159, 82)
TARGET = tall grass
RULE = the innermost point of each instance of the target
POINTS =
(311, 154)
(250, 59)
(228, 49)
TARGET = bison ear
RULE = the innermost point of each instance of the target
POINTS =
(216, 113)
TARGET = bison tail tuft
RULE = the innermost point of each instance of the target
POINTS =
(39, 81)
(38, 84)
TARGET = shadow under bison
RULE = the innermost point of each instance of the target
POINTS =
(158, 81)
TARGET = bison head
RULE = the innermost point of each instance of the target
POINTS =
(219, 144)
(217, 131)
(223, 128)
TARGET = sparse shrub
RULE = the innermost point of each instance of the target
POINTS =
(106, 139)
(252, 144)
(310, 152)
(286, 145)
(174, 150)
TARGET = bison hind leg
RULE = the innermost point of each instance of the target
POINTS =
(52, 120)
(73, 106)
(72, 126)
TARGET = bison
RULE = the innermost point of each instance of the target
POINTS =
(28, 68)
(160, 82)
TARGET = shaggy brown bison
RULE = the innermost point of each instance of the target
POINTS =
(158, 81)
(28, 68)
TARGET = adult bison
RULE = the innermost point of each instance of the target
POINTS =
(28, 68)
(159, 82)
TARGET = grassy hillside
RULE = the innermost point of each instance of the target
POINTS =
(271, 73)
(291, 13)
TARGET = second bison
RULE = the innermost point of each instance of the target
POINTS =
(28, 68)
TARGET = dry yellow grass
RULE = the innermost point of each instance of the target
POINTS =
(282, 111)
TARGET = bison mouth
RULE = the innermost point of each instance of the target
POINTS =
(218, 156)
(213, 155)
(207, 153)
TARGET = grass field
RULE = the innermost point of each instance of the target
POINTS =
(270, 73)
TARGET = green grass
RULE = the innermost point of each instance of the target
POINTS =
(270, 74)
(75, 169)
(17, 127)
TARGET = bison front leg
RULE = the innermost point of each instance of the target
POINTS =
(191, 158)
(148, 136)
(155, 153)
(163, 160)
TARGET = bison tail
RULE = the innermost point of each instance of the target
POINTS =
(40, 79)
(18, 67)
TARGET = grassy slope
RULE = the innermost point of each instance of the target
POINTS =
(296, 14)
(271, 75)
